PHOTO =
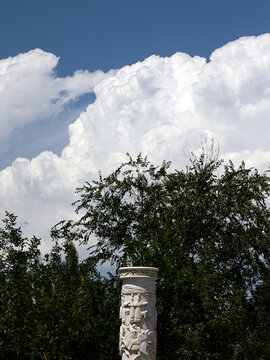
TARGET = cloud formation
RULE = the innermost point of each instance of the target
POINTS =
(30, 90)
(162, 107)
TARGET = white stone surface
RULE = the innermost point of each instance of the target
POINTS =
(137, 340)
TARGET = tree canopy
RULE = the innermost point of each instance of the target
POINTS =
(206, 227)
(53, 308)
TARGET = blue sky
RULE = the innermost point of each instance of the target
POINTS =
(87, 88)
(106, 34)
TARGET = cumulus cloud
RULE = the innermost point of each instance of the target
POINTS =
(30, 90)
(162, 107)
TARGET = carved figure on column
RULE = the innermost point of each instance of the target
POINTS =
(137, 339)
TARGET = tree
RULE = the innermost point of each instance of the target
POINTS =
(53, 308)
(209, 236)
(73, 308)
(19, 259)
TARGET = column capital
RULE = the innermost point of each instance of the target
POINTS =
(138, 272)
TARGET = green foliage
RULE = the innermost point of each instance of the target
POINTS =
(207, 229)
(57, 308)
(19, 258)
(209, 236)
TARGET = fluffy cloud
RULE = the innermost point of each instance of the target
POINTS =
(163, 107)
(30, 90)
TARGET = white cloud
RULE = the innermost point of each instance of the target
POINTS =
(30, 90)
(163, 107)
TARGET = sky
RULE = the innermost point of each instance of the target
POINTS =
(84, 82)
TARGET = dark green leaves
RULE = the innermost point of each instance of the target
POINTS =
(207, 228)
(55, 308)
(208, 234)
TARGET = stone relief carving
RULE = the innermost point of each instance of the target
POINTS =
(130, 311)
(137, 338)
(136, 343)
(147, 289)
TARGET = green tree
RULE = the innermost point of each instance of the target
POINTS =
(73, 308)
(19, 259)
(209, 236)
(55, 308)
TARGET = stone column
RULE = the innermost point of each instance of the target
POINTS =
(138, 313)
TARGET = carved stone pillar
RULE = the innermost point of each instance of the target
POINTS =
(138, 313)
